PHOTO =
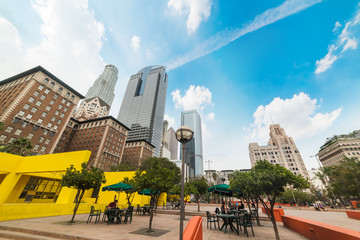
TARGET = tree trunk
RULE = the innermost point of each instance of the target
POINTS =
(198, 200)
(77, 203)
(151, 214)
(277, 236)
(257, 212)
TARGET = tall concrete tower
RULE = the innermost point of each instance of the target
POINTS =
(143, 106)
(104, 86)
(281, 149)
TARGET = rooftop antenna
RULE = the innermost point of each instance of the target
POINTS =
(271, 118)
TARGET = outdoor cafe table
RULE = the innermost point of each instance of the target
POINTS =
(146, 209)
(116, 211)
(228, 221)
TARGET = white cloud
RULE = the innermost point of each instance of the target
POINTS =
(195, 98)
(298, 116)
(345, 40)
(223, 38)
(171, 121)
(196, 11)
(135, 43)
(210, 116)
(337, 26)
(65, 48)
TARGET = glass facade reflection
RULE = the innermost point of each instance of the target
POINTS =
(143, 106)
(194, 151)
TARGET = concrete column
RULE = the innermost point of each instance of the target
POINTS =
(7, 186)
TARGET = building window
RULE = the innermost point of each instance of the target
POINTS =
(55, 127)
(36, 93)
(9, 129)
(41, 87)
(36, 147)
(62, 115)
(53, 118)
(47, 91)
(41, 139)
(18, 132)
(31, 99)
(63, 101)
(60, 90)
(38, 103)
(48, 108)
(43, 149)
(2, 138)
(15, 120)
(30, 136)
(49, 125)
(59, 121)
(39, 120)
(21, 113)
(29, 116)
(60, 106)
(46, 80)
(65, 109)
(56, 96)
(68, 104)
(47, 141)
(42, 97)
(44, 114)
(52, 102)
(56, 112)
(34, 110)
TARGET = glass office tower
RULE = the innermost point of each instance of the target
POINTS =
(143, 106)
(104, 86)
(193, 151)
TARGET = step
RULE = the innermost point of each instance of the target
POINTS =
(41, 234)
(4, 234)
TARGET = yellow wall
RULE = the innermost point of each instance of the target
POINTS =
(15, 172)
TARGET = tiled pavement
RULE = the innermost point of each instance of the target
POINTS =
(56, 227)
(123, 231)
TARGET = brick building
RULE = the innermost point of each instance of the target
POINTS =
(105, 137)
(36, 105)
(137, 151)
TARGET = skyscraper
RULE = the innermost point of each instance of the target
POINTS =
(281, 149)
(143, 106)
(194, 151)
(104, 86)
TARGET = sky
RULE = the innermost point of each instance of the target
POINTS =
(242, 65)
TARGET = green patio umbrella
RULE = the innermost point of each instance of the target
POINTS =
(146, 192)
(118, 187)
(224, 190)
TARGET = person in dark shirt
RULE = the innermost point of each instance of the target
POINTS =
(113, 204)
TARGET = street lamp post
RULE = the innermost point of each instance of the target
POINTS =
(183, 135)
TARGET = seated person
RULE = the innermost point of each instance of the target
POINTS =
(223, 208)
(113, 204)
(241, 206)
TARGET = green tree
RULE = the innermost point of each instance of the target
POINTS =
(247, 183)
(82, 180)
(21, 146)
(130, 194)
(300, 197)
(214, 176)
(343, 179)
(270, 180)
(157, 175)
(198, 187)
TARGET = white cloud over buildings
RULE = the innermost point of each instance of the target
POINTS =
(196, 11)
(64, 48)
(298, 115)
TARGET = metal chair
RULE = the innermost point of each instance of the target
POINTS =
(211, 219)
(128, 214)
(95, 213)
(246, 222)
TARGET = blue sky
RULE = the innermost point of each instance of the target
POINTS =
(241, 64)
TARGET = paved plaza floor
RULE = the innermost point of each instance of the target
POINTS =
(166, 222)
(166, 227)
